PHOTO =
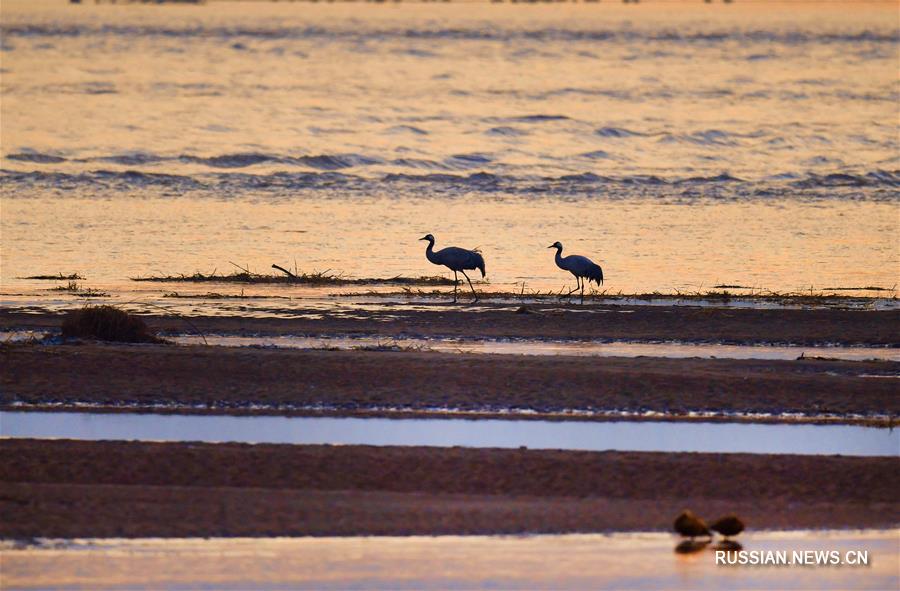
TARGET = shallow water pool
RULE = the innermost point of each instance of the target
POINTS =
(536, 434)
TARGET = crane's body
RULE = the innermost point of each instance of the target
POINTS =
(581, 267)
(457, 260)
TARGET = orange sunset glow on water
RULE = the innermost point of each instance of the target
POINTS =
(684, 145)
(449, 295)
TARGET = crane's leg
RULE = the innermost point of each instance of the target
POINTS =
(455, 285)
(577, 285)
(475, 295)
(582, 291)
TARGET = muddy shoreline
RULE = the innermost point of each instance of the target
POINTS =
(349, 382)
(874, 421)
(692, 324)
(129, 489)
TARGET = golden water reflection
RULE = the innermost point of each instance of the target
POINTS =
(634, 561)
(642, 246)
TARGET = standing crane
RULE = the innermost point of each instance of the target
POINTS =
(457, 260)
(581, 267)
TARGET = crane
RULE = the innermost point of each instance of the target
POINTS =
(581, 267)
(457, 260)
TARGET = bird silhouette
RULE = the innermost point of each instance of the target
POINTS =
(457, 260)
(690, 526)
(728, 526)
(581, 267)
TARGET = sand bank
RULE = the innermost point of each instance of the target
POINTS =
(353, 382)
(589, 322)
(101, 489)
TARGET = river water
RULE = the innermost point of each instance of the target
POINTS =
(587, 561)
(680, 145)
(675, 437)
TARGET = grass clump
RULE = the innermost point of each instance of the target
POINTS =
(73, 288)
(315, 279)
(107, 323)
(866, 288)
(58, 277)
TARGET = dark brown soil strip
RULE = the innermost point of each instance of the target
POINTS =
(75, 489)
(352, 381)
(638, 323)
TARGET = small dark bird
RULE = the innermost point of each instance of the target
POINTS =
(581, 267)
(690, 526)
(728, 526)
(455, 259)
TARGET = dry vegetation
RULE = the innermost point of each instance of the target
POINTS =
(715, 295)
(75, 289)
(315, 278)
(214, 295)
(58, 277)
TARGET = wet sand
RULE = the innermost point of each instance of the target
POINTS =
(589, 322)
(355, 382)
(127, 489)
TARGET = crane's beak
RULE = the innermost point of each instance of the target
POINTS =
(424, 238)
(552, 246)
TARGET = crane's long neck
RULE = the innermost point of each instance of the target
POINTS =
(559, 255)
(429, 252)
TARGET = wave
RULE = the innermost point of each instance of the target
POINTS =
(539, 118)
(477, 178)
(719, 178)
(709, 137)
(230, 160)
(238, 160)
(472, 33)
(457, 162)
(133, 159)
(506, 131)
(597, 155)
(336, 162)
(407, 129)
(779, 184)
(466, 161)
(248, 159)
(619, 132)
(585, 177)
(36, 157)
(97, 178)
(875, 178)
(435, 171)
(80, 88)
